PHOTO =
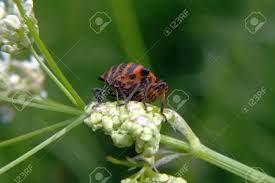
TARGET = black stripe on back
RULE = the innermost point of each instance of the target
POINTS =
(114, 70)
(110, 73)
(122, 67)
(131, 69)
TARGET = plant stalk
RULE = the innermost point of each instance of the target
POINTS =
(35, 133)
(62, 109)
(244, 171)
(53, 77)
(209, 155)
(41, 46)
(42, 145)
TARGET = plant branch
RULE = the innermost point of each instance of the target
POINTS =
(32, 103)
(41, 46)
(180, 124)
(53, 77)
(42, 145)
(124, 163)
(248, 173)
(209, 155)
(35, 133)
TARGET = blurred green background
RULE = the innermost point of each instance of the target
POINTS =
(211, 56)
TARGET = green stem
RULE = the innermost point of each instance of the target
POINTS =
(47, 142)
(233, 166)
(180, 124)
(178, 144)
(35, 133)
(41, 46)
(198, 150)
(52, 76)
(63, 109)
(248, 173)
(50, 102)
(123, 163)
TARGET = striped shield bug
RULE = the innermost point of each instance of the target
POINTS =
(131, 81)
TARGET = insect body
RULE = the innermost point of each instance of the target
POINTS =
(131, 81)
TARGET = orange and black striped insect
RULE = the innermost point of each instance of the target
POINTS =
(131, 81)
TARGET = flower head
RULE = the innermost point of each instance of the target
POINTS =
(157, 178)
(128, 126)
(13, 29)
(20, 75)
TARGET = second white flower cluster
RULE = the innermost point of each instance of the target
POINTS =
(128, 126)
(158, 178)
(14, 33)
(20, 75)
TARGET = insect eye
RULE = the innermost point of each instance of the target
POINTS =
(144, 72)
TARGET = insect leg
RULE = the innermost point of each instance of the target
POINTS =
(122, 94)
(132, 94)
(145, 93)
(162, 106)
(117, 95)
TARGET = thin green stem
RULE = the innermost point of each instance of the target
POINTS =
(42, 145)
(31, 103)
(197, 149)
(35, 133)
(52, 102)
(41, 46)
(178, 144)
(124, 163)
(248, 173)
(180, 124)
(52, 76)
(219, 160)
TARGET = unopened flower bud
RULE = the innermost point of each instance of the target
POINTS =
(164, 178)
(126, 127)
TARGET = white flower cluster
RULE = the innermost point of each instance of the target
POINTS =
(128, 126)
(158, 178)
(13, 29)
(20, 75)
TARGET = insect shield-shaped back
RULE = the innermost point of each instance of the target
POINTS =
(132, 81)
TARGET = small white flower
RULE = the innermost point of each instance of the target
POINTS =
(128, 180)
(121, 139)
(157, 178)
(17, 75)
(146, 134)
(141, 120)
(2, 9)
(14, 78)
(164, 178)
(11, 22)
(107, 123)
(14, 33)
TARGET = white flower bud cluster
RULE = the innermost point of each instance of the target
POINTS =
(158, 178)
(13, 29)
(128, 126)
(20, 75)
